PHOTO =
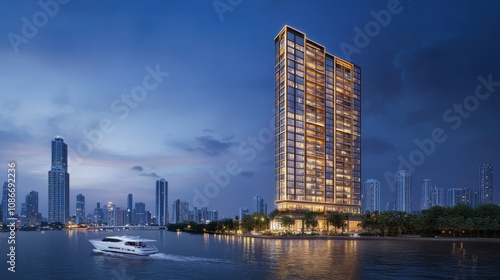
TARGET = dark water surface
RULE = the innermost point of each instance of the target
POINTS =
(69, 255)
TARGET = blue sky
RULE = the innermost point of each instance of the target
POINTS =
(209, 108)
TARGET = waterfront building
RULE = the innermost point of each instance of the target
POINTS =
(162, 202)
(317, 127)
(403, 191)
(371, 195)
(426, 194)
(59, 183)
(80, 209)
(485, 183)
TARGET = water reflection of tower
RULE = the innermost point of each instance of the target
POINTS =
(314, 257)
(466, 264)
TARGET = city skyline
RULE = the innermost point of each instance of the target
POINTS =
(430, 85)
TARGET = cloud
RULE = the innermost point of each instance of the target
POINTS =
(212, 146)
(152, 174)
(248, 174)
(376, 145)
(137, 168)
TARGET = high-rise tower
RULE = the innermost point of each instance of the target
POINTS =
(426, 194)
(403, 191)
(162, 202)
(59, 183)
(80, 209)
(317, 127)
(371, 195)
(485, 183)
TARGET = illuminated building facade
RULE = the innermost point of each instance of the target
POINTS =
(317, 127)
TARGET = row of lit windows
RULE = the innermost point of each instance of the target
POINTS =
(295, 46)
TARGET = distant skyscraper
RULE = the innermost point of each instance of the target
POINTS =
(32, 208)
(213, 215)
(130, 210)
(140, 214)
(80, 209)
(243, 212)
(204, 215)
(109, 214)
(59, 183)
(98, 214)
(458, 196)
(184, 214)
(403, 191)
(5, 203)
(437, 196)
(317, 127)
(485, 183)
(426, 194)
(176, 211)
(371, 195)
(162, 202)
(474, 197)
(258, 205)
(390, 205)
(120, 216)
(195, 215)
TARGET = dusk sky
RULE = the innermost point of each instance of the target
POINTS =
(199, 76)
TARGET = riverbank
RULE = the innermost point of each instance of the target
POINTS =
(373, 238)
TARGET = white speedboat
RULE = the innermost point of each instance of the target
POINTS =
(125, 244)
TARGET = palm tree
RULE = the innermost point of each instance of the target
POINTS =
(307, 217)
(336, 219)
(287, 221)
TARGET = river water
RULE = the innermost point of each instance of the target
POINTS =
(69, 255)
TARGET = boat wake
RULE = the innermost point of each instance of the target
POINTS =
(112, 254)
(168, 257)
(178, 258)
